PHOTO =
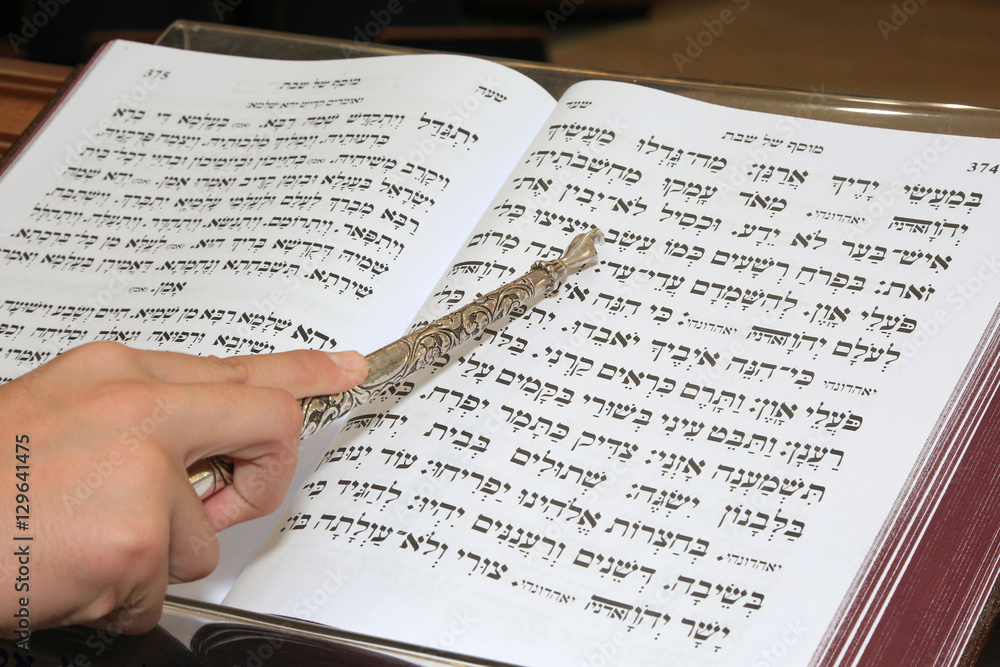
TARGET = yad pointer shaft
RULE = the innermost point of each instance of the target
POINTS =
(392, 363)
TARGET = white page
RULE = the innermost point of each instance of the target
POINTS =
(686, 414)
(220, 205)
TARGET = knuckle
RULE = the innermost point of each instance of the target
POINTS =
(266, 505)
(240, 369)
(138, 548)
(287, 412)
(98, 607)
(99, 354)
(136, 621)
(204, 556)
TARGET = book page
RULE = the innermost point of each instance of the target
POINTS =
(691, 450)
(219, 205)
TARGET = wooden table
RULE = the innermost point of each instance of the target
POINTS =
(25, 87)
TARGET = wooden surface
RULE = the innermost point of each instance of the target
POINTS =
(937, 51)
(25, 87)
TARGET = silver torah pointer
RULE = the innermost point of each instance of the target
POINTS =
(390, 364)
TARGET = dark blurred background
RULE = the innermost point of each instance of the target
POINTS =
(918, 49)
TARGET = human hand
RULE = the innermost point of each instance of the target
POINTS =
(110, 433)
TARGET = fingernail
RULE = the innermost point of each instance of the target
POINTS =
(350, 362)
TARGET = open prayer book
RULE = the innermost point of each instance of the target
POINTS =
(750, 434)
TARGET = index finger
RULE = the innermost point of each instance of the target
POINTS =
(301, 373)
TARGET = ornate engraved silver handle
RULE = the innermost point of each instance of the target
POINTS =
(390, 364)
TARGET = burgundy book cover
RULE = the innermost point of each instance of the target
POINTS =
(928, 597)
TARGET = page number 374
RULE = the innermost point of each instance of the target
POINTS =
(984, 167)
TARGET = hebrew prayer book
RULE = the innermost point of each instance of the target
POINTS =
(758, 431)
